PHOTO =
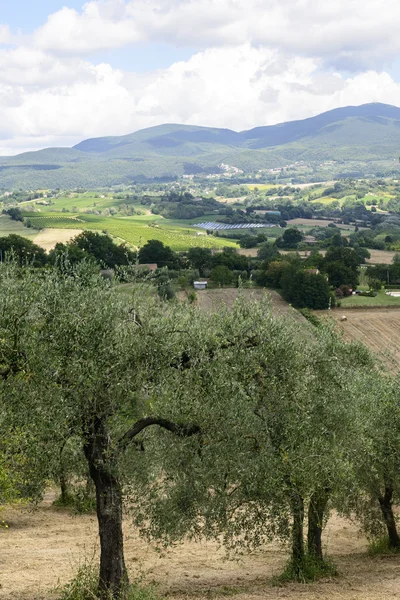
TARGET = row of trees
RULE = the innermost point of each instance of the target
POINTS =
(309, 283)
(88, 245)
(231, 424)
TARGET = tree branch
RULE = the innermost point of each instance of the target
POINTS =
(139, 426)
(185, 360)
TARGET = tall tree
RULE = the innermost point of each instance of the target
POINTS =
(271, 437)
(91, 363)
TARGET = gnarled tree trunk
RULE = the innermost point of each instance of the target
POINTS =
(113, 578)
(316, 512)
(385, 502)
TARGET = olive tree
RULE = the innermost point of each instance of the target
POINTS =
(271, 400)
(25, 443)
(227, 423)
(375, 451)
(86, 362)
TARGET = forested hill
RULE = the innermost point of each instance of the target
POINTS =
(358, 139)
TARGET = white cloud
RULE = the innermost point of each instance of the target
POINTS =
(262, 62)
(5, 34)
(345, 33)
(45, 100)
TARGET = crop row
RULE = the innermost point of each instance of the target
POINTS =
(133, 232)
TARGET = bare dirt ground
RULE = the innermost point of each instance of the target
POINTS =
(48, 237)
(43, 548)
(381, 256)
(377, 328)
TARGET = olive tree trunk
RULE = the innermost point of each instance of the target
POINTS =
(316, 513)
(385, 502)
(297, 531)
(113, 577)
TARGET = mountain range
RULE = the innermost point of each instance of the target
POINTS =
(363, 139)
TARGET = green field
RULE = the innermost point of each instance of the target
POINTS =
(135, 230)
(8, 226)
(76, 202)
(369, 197)
(380, 300)
(180, 235)
(262, 186)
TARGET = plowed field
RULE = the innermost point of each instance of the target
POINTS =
(379, 329)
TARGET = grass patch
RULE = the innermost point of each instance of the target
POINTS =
(309, 570)
(8, 226)
(85, 583)
(225, 590)
(380, 547)
(381, 299)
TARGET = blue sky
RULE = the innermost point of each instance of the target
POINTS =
(70, 70)
(27, 15)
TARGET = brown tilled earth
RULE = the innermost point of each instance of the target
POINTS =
(44, 548)
(377, 328)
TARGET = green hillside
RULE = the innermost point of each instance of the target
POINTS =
(364, 138)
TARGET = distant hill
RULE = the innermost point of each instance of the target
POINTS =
(363, 139)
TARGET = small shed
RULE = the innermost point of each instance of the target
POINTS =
(200, 285)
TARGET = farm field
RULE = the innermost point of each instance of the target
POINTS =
(43, 548)
(379, 329)
(318, 223)
(251, 252)
(8, 226)
(48, 238)
(381, 256)
(329, 200)
(135, 230)
(73, 202)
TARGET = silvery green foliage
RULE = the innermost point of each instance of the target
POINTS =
(25, 437)
(272, 400)
(374, 450)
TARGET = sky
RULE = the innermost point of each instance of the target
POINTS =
(71, 70)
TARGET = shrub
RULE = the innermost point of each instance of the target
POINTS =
(81, 500)
(346, 290)
(82, 587)
(370, 294)
(313, 319)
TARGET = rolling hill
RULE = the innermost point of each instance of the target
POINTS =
(362, 138)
